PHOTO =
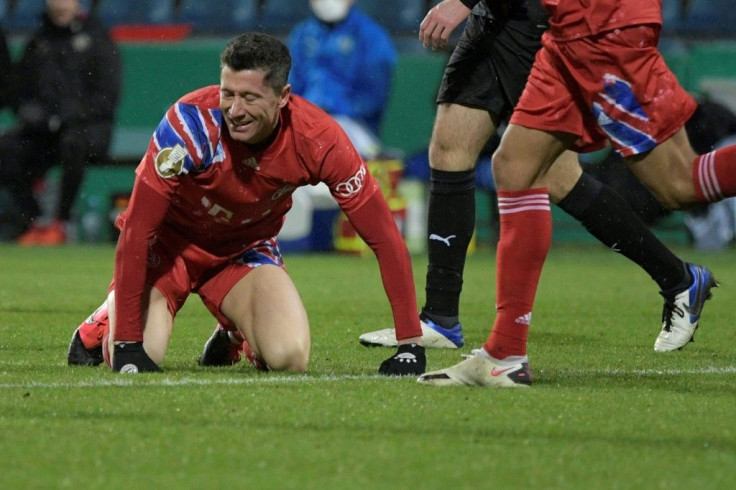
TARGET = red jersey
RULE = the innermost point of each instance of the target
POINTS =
(570, 19)
(219, 194)
(224, 196)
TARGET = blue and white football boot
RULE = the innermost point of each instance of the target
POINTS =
(433, 336)
(682, 310)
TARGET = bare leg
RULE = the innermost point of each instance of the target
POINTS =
(267, 310)
(667, 171)
(157, 331)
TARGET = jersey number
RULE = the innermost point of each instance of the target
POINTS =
(220, 214)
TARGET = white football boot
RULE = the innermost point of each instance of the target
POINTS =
(433, 336)
(479, 369)
(681, 312)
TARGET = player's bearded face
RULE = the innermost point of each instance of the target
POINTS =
(250, 106)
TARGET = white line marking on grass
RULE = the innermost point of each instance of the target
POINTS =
(126, 380)
(155, 380)
(659, 372)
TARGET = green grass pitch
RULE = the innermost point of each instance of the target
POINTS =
(605, 411)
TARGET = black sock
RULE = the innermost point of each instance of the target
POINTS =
(450, 226)
(609, 218)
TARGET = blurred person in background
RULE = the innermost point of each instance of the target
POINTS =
(8, 227)
(68, 83)
(5, 69)
(343, 61)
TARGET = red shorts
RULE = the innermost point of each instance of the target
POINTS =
(178, 268)
(614, 86)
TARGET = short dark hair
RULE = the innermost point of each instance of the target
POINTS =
(258, 51)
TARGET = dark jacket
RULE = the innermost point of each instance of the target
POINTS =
(5, 70)
(68, 76)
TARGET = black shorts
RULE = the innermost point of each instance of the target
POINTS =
(491, 62)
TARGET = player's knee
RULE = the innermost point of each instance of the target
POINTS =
(503, 169)
(438, 157)
(291, 356)
(449, 157)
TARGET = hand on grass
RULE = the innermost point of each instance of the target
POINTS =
(409, 360)
(131, 358)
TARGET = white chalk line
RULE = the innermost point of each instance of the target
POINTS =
(157, 380)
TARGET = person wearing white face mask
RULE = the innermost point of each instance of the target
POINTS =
(343, 61)
(331, 10)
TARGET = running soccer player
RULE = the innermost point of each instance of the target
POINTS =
(210, 196)
(598, 78)
(482, 82)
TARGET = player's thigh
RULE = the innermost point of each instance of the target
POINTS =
(667, 171)
(458, 136)
(561, 176)
(267, 309)
(158, 324)
(525, 154)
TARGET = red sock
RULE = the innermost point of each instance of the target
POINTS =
(95, 327)
(714, 174)
(526, 233)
